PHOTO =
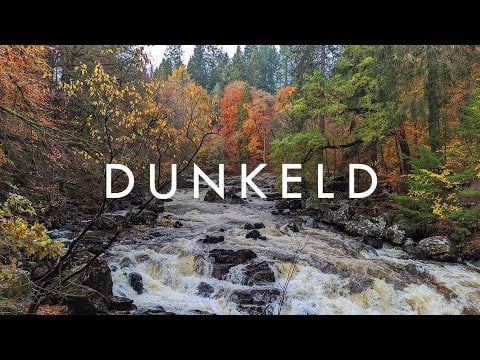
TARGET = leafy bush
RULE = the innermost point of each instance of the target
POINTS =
(434, 195)
(20, 238)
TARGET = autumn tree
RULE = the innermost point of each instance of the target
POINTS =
(257, 128)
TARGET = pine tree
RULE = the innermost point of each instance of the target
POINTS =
(197, 66)
(174, 54)
(237, 68)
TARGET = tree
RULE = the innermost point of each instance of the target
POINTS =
(232, 116)
(262, 67)
(257, 128)
(197, 65)
(236, 71)
(174, 54)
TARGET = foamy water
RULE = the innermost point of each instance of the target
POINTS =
(333, 273)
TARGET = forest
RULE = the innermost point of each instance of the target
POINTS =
(411, 112)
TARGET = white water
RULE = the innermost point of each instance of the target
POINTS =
(324, 280)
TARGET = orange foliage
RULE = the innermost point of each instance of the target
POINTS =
(257, 128)
(230, 108)
(284, 98)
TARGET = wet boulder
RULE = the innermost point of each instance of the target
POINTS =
(136, 282)
(205, 290)
(394, 234)
(255, 234)
(258, 274)
(289, 204)
(120, 303)
(88, 291)
(435, 248)
(374, 241)
(229, 197)
(338, 217)
(256, 301)
(249, 226)
(370, 227)
(225, 259)
(211, 239)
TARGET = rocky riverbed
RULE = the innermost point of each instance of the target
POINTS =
(191, 256)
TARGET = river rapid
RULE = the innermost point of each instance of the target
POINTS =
(317, 270)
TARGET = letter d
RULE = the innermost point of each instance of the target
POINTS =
(131, 181)
(351, 181)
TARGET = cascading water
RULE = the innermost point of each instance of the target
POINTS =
(316, 270)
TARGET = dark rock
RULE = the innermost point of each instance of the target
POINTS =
(120, 303)
(275, 212)
(205, 290)
(229, 197)
(97, 276)
(177, 224)
(435, 248)
(146, 217)
(258, 274)
(213, 239)
(225, 259)
(358, 284)
(289, 204)
(136, 282)
(375, 242)
(262, 237)
(256, 301)
(292, 226)
(85, 301)
(89, 290)
(394, 234)
(221, 229)
(258, 225)
(253, 234)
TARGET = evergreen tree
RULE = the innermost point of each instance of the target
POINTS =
(262, 67)
(237, 68)
(174, 54)
(197, 66)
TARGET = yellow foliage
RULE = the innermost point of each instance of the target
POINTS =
(20, 238)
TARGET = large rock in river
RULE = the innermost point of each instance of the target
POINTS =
(435, 248)
(225, 259)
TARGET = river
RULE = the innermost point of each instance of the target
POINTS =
(317, 270)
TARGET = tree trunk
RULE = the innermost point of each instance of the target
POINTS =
(432, 95)
(404, 149)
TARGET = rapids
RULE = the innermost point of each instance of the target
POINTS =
(332, 273)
